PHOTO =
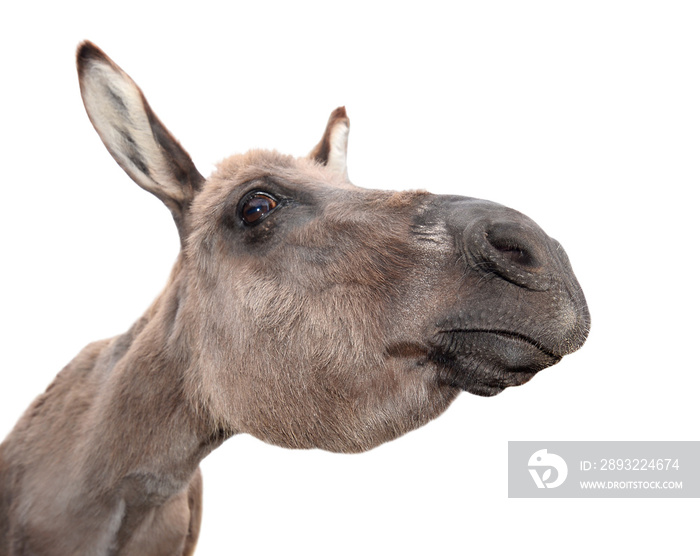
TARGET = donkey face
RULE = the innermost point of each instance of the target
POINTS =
(313, 313)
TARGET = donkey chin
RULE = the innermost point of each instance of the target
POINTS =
(485, 363)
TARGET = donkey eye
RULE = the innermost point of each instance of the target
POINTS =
(256, 207)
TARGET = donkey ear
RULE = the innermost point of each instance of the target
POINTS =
(133, 134)
(332, 150)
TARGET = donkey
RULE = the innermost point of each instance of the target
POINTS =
(301, 309)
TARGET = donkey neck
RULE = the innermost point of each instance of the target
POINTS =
(146, 412)
(116, 435)
(148, 433)
(143, 435)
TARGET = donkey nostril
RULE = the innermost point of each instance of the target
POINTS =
(511, 249)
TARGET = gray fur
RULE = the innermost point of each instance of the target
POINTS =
(344, 319)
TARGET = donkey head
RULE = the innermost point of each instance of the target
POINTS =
(309, 312)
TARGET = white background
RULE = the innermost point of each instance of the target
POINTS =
(585, 116)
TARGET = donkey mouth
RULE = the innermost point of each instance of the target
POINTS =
(486, 362)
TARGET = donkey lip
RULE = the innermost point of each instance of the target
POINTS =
(485, 362)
